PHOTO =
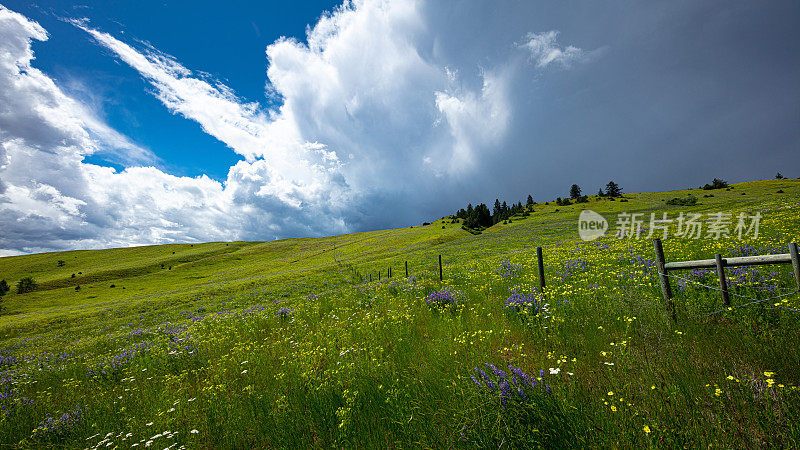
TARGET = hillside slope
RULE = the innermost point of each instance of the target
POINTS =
(366, 362)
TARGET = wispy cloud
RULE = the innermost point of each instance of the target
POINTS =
(544, 50)
(37, 112)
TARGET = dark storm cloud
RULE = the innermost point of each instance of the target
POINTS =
(393, 113)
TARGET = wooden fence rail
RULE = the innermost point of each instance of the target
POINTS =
(719, 263)
(784, 258)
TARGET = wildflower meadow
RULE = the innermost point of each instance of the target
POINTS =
(308, 343)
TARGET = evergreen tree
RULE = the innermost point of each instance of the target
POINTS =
(496, 211)
(600, 193)
(484, 216)
(778, 176)
(4, 288)
(530, 200)
(613, 189)
(574, 191)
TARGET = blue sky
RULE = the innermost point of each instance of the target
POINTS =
(227, 42)
(131, 123)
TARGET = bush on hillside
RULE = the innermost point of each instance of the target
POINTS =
(716, 184)
(25, 285)
(688, 201)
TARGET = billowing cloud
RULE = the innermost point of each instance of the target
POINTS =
(370, 120)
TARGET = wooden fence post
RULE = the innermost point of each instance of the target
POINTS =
(441, 275)
(406, 269)
(666, 289)
(795, 262)
(661, 263)
(723, 285)
(540, 261)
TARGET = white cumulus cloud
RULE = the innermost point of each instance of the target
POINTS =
(373, 118)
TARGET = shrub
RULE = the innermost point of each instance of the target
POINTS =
(688, 201)
(471, 230)
(25, 285)
(716, 184)
(4, 288)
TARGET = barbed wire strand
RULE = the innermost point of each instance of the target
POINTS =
(731, 308)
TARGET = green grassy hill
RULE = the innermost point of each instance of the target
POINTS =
(307, 343)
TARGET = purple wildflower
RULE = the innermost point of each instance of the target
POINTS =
(515, 385)
(445, 298)
(521, 301)
(285, 313)
(509, 270)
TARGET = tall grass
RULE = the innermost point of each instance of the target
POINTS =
(323, 357)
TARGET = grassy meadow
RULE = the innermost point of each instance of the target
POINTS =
(307, 343)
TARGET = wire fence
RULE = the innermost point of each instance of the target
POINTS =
(752, 301)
